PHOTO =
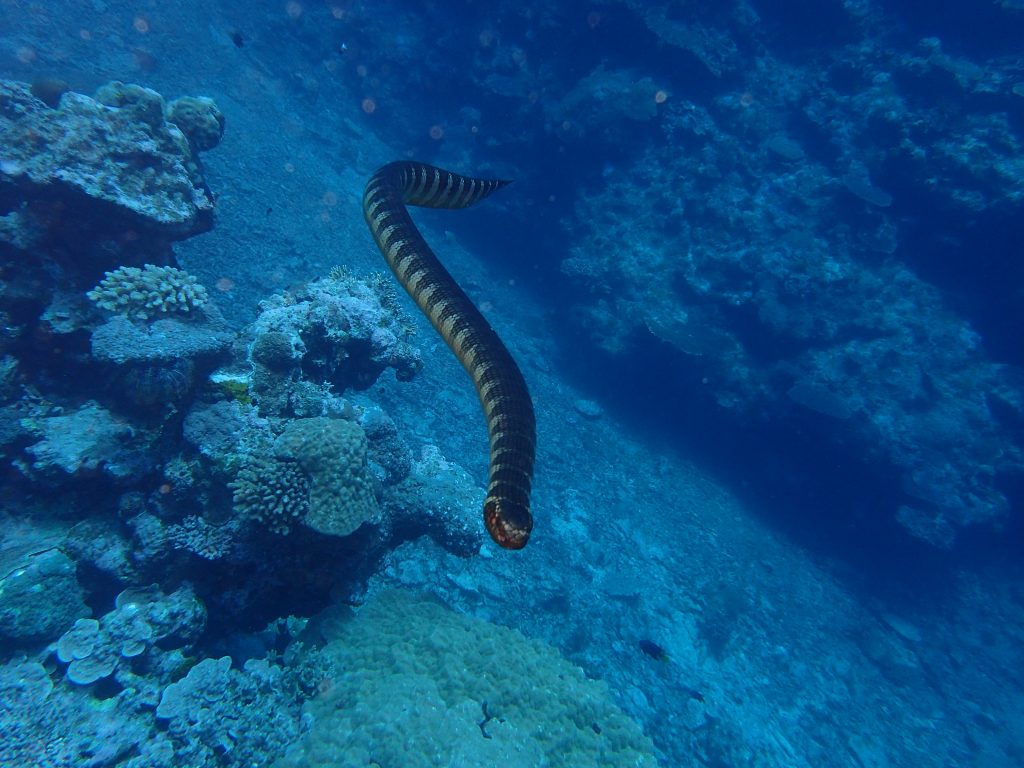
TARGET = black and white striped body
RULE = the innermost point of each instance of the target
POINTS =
(499, 383)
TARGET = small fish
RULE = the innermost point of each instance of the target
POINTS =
(237, 38)
(653, 650)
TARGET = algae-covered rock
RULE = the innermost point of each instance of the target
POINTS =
(39, 593)
(89, 440)
(113, 158)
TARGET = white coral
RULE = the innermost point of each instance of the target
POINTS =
(147, 291)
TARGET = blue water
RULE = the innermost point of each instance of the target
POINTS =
(759, 265)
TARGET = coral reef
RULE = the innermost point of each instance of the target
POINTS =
(44, 726)
(770, 313)
(422, 686)
(166, 479)
(343, 330)
(223, 716)
(793, 225)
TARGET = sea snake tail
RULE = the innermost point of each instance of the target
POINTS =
(499, 383)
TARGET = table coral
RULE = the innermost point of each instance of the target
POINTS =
(121, 341)
(142, 617)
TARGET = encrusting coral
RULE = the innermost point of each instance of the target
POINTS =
(332, 453)
(425, 686)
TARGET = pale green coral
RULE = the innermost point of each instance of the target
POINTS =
(149, 291)
(424, 686)
(332, 453)
(199, 119)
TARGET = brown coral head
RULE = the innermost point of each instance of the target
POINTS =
(508, 522)
(49, 90)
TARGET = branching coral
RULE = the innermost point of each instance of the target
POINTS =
(271, 492)
(149, 291)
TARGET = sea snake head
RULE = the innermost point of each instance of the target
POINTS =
(509, 522)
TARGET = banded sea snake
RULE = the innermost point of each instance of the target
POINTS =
(511, 426)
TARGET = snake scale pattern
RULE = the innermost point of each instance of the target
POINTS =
(499, 383)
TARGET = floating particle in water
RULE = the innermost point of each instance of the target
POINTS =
(145, 60)
(224, 284)
(436, 132)
(369, 105)
(140, 25)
